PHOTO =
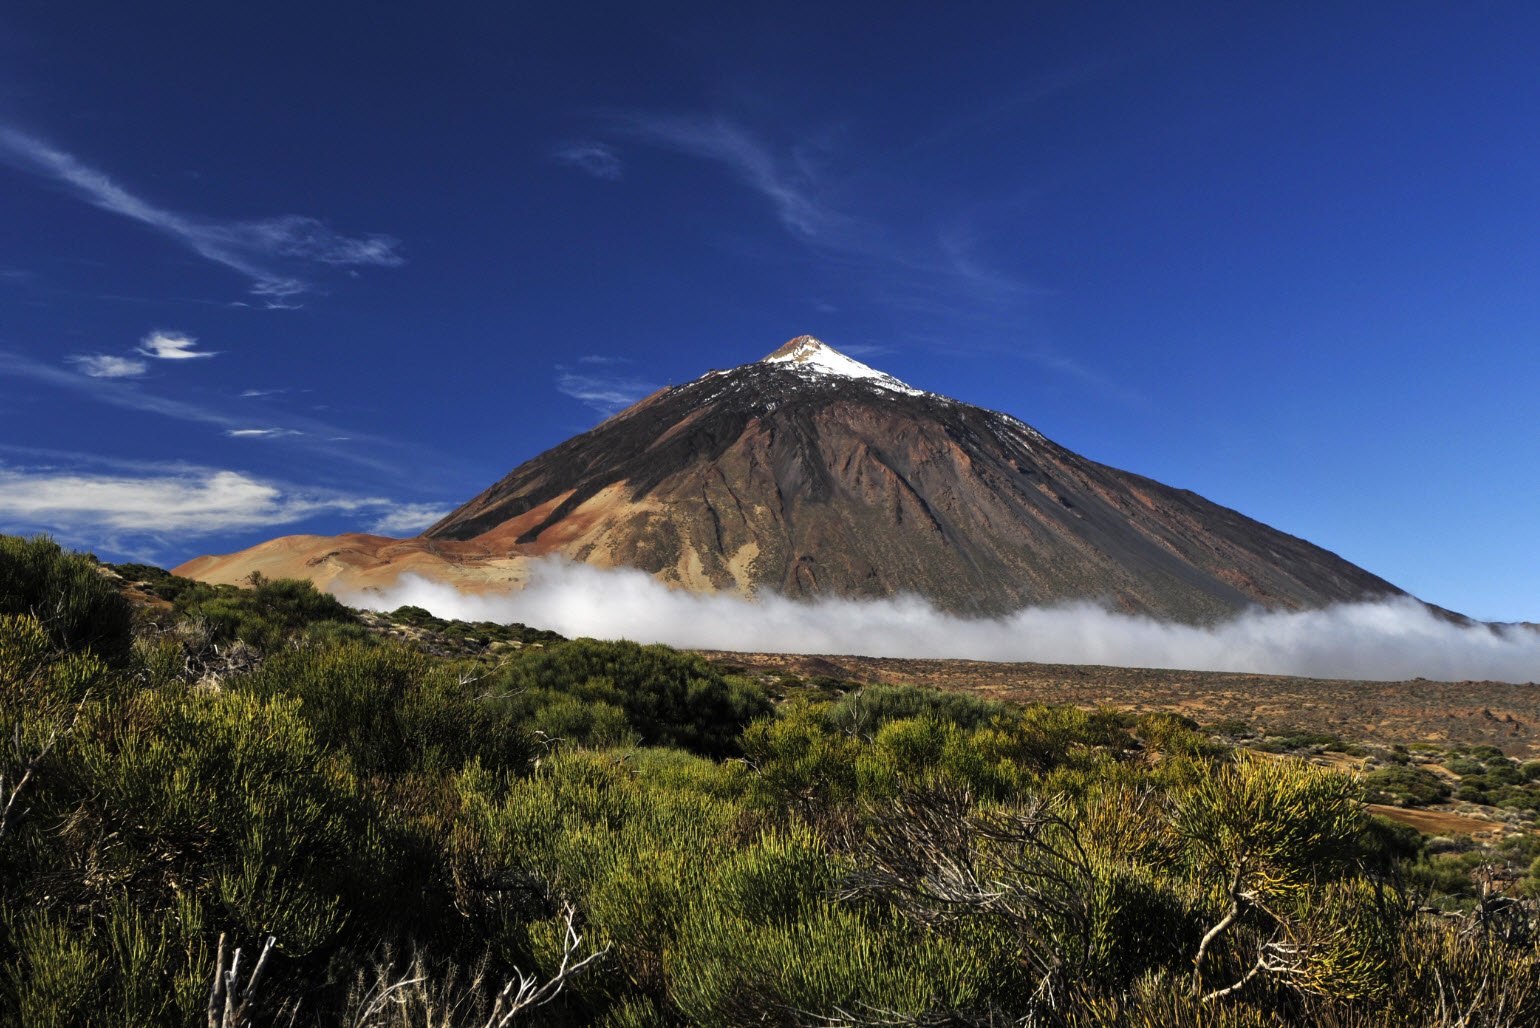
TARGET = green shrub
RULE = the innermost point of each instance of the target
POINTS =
(1405, 786)
(1284, 823)
(1230, 729)
(67, 593)
(595, 724)
(1503, 774)
(728, 970)
(1305, 741)
(797, 761)
(39, 683)
(266, 616)
(1462, 766)
(133, 572)
(867, 710)
(391, 709)
(1171, 733)
(669, 698)
(351, 795)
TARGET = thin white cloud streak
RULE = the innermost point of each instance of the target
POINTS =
(259, 433)
(943, 274)
(408, 519)
(310, 432)
(597, 159)
(1391, 640)
(246, 247)
(102, 365)
(605, 394)
(792, 193)
(171, 346)
(119, 394)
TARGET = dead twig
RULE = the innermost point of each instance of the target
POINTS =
(231, 1004)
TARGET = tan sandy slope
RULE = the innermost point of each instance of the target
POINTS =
(354, 562)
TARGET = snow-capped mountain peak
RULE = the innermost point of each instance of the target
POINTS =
(813, 356)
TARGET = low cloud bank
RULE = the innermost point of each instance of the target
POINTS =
(1390, 640)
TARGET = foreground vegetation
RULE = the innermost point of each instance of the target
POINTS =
(582, 832)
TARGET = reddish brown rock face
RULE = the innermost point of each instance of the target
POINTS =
(811, 475)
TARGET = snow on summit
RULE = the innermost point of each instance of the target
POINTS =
(805, 353)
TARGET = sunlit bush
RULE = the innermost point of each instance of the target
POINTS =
(78, 606)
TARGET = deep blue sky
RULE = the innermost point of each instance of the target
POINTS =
(1286, 259)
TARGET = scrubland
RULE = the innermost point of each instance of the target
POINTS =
(407, 822)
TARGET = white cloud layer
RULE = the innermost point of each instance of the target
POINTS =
(196, 502)
(102, 365)
(252, 248)
(1390, 640)
(185, 502)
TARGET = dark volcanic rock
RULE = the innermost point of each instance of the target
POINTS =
(810, 474)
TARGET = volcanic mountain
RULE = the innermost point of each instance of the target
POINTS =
(811, 474)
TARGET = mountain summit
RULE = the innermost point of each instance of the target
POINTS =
(811, 356)
(812, 474)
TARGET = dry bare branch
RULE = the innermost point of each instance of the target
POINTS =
(9, 815)
(938, 863)
(410, 1000)
(231, 1004)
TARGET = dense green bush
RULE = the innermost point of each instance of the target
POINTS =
(902, 858)
(669, 698)
(390, 709)
(1405, 786)
(266, 616)
(866, 710)
(78, 605)
(481, 631)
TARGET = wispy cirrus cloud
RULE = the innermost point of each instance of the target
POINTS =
(171, 346)
(260, 433)
(309, 432)
(944, 262)
(936, 259)
(598, 159)
(408, 519)
(789, 185)
(103, 365)
(259, 249)
(864, 349)
(601, 392)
